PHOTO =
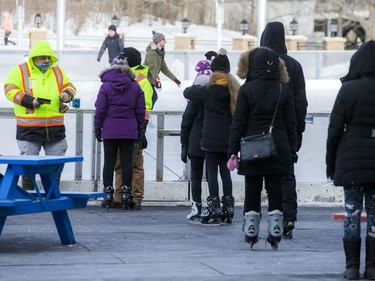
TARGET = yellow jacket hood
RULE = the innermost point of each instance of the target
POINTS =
(42, 48)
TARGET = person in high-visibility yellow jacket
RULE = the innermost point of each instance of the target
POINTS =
(39, 88)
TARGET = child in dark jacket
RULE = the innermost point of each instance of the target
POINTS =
(219, 99)
(120, 112)
(191, 134)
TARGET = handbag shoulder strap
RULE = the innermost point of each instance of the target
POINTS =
(274, 114)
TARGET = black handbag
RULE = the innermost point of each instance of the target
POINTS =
(260, 146)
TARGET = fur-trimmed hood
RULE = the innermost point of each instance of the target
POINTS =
(261, 63)
(123, 68)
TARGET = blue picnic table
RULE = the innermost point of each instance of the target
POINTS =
(14, 200)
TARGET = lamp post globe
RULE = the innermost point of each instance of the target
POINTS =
(244, 26)
(185, 24)
(38, 20)
(115, 21)
(293, 26)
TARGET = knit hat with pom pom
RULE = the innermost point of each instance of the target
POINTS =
(157, 37)
(221, 62)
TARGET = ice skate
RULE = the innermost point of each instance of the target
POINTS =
(288, 229)
(127, 198)
(251, 227)
(275, 228)
(212, 215)
(108, 196)
(195, 214)
(227, 209)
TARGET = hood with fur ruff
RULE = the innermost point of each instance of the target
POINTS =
(258, 70)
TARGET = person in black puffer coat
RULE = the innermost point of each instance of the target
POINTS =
(113, 43)
(350, 156)
(256, 104)
(273, 37)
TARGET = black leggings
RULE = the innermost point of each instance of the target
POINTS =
(197, 166)
(253, 190)
(111, 147)
(213, 161)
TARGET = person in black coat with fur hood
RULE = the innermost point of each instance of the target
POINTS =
(256, 103)
(273, 37)
(350, 156)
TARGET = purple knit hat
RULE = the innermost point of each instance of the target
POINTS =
(203, 67)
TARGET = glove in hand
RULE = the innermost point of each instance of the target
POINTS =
(184, 154)
(294, 157)
(143, 141)
(178, 82)
(157, 84)
(233, 162)
(98, 134)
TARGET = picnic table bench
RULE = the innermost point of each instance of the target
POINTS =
(14, 200)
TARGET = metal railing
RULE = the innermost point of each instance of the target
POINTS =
(82, 131)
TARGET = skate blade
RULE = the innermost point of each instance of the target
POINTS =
(274, 244)
(251, 241)
(211, 222)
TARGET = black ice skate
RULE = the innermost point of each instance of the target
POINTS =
(127, 198)
(275, 228)
(108, 196)
(212, 215)
(227, 209)
(288, 229)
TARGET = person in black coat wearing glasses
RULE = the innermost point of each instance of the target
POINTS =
(273, 37)
(350, 156)
(256, 104)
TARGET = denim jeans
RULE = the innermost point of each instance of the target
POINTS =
(353, 208)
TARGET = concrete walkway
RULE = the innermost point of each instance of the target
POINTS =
(156, 243)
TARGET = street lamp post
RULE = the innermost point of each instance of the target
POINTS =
(333, 27)
(293, 26)
(244, 26)
(115, 21)
(38, 20)
(185, 24)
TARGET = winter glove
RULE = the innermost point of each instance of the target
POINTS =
(178, 82)
(98, 134)
(143, 141)
(294, 157)
(184, 154)
(233, 162)
(157, 84)
(98, 60)
(330, 173)
(299, 141)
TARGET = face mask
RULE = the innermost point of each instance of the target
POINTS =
(43, 66)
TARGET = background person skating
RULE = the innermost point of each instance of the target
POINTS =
(113, 43)
(155, 62)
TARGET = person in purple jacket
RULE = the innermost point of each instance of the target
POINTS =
(119, 116)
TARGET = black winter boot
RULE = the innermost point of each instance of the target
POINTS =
(352, 255)
(370, 259)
